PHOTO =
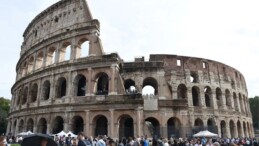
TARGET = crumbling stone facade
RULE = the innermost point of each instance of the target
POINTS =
(65, 81)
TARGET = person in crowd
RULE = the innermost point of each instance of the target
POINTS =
(100, 141)
(69, 140)
(43, 142)
(3, 141)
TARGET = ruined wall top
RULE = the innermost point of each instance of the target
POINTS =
(62, 15)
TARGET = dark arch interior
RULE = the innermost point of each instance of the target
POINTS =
(153, 126)
(81, 86)
(78, 124)
(34, 92)
(151, 82)
(195, 96)
(101, 126)
(58, 125)
(102, 84)
(46, 90)
(126, 128)
(42, 126)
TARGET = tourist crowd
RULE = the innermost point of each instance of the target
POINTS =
(82, 140)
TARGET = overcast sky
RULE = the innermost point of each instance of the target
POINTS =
(224, 31)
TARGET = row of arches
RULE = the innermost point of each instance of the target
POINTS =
(126, 123)
(101, 87)
(54, 54)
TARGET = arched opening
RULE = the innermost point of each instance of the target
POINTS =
(24, 69)
(39, 60)
(198, 125)
(194, 77)
(150, 82)
(239, 129)
(34, 92)
(102, 86)
(195, 95)
(182, 91)
(235, 101)
(24, 95)
(30, 125)
(30, 64)
(101, 126)
(173, 127)
(58, 125)
(84, 47)
(152, 128)
(228, 98)
(20, 126)
(42, 126)
(46, 90)
(208, 96)
(241, 102)
(61, 87)
(130, 86)
(78, 124)
(126, 127)
(148, 90)
(51, 54)
(219, 97)
(232, 128)
(19, 99)
(80, 85)
(68, 52)
(212, 125)
(223, 128)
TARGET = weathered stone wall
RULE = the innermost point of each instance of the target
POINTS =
(58, 88)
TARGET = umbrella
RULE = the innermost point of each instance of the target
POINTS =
(35, 140)
(205, 133)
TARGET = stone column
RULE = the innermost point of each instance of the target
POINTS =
(52, 88)
(69, 84)
(213, 102)
(39, 92)
(87, 129)
(34, 62)
(112, 80)
(228, 130)
(223, 98)
(111, 129)
(45, 55)
(139, 121)
(90, 83)
(202, 97)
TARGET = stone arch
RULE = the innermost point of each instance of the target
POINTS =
(30, 64)
(77, 124)
(150, 81)
(46, 90)
(208, 96)
(61, 87)
(198, 125)
(19, 99)
(223, 128)
(228, 98)
(39, 60)
(219, 97)
(195, 96)
(211, 124)
(102, 84)
(79, 85)
(245, 129)
(42, 126)
(194, 77)
(24, 95)
(100, 125)
(153, 127)
(241, 102)
(34, 92)
(50, 56)
(30, 125)
(232, 128)
(65, 51)
(21, 126)
(126, 126)
(24, 68)
(57, 125)
(182, 91)
(130, 86)
(173, 127)
(239, 129)
(84, 46)
(235, 101)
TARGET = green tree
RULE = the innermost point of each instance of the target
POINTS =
(4, 109)
(254, 106)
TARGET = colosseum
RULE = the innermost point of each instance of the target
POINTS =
(65, 81)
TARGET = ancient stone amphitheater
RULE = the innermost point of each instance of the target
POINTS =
(65, 81)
